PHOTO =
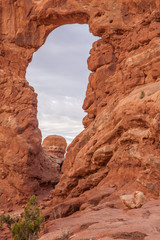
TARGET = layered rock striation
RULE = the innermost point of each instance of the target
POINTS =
(120, 145)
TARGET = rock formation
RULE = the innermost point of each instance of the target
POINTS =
(120, 145)
(55, 145)
(121, 142)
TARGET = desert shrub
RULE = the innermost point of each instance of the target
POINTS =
(64, 236)
(142, 95)
(29, 225)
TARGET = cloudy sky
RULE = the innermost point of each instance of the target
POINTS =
(59, 74)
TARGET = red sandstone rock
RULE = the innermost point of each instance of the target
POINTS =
(121, 133)
(107, 223)
(120, 143)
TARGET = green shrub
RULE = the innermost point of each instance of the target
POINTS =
(29, 225)
(142, 95)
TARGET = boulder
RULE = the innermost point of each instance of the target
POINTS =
(135, 200)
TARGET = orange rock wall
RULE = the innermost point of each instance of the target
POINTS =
(120, 143)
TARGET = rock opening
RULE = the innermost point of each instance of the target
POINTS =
(59, 74)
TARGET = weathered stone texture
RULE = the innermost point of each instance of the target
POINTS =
(121, 141)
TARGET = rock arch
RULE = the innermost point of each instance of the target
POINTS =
(119, 59)
(24, 26)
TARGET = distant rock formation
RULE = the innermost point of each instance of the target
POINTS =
(55, 145)
(120, 145)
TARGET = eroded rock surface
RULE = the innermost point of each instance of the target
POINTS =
(120, 145)
(104, 222)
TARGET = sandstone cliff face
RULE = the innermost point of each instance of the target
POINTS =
(121, 140)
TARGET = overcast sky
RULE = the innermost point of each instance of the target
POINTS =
(59, 74)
